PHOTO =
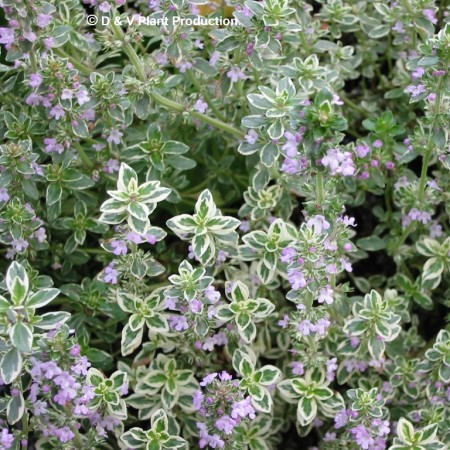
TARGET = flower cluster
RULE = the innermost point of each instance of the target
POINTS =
(223, 406)
(224, 236)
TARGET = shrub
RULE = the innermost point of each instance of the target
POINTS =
(222, 233)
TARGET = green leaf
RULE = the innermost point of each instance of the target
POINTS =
(432, 271)
(268, 375)
(126, 174)
(131, 340)
(159, 421)
(95, 377)
(15, 409)
(54, 194)
(51, 319)
(248, 334)
(18, 291)
(11, 365)
(138, 210)
(246, 367)
(119, 379)
(134, 438)
(157, 323)
(42, 298)
(224, 313)
(379, 31)
(174, 442)
(180, 162)
(263, 403)
(371, 244)
(405, 430)
(21, 336)
(306, 411)
(137, 225)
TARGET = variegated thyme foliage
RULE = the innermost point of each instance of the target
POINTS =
(224, 236)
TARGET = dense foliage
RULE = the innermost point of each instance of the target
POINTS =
(230, 236)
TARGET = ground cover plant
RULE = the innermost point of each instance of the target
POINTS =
(227, 235)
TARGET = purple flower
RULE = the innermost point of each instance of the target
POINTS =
(198, 399)
(52, 146)
(82, 96)
(325, 295)
(6, 438)
(337, 100)
(415, 91)
(39, 408)
(398, 27)
(418, 73)
(243, 409)
(288, 254)
(292, 142)
(112, 166)
(120, 247)
(226, 424)
(211, 294)
(362, 150)
(43, 20)
(57, 112)
(430, 15)
(214, 59)
(4, 196)
(319, 223)
(340, 419)
(19, 244)
(196, 306)
(235, 74)
(362, 436)
(225, 376)
(178, 323)
(201, 106)
(298, 368)
(64, 434)
(110, 274)
(296, 279)
(114, 136)
(183, 66)
(30, 36)
(339, 162)
(104, 7)
(306, 327)
(40, 235)
(7, 36)
(35, 80)
(208, 379)
(284, 323)
(251, 137)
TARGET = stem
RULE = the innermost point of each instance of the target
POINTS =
(429, 147)
(78, 440)
(205, 95)
(134, 58)
(33, 61)
(351, 104)
(84, 70)
(319, 188)
(403, 237)
(426, 160)
(410, 11)
(83, 156)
